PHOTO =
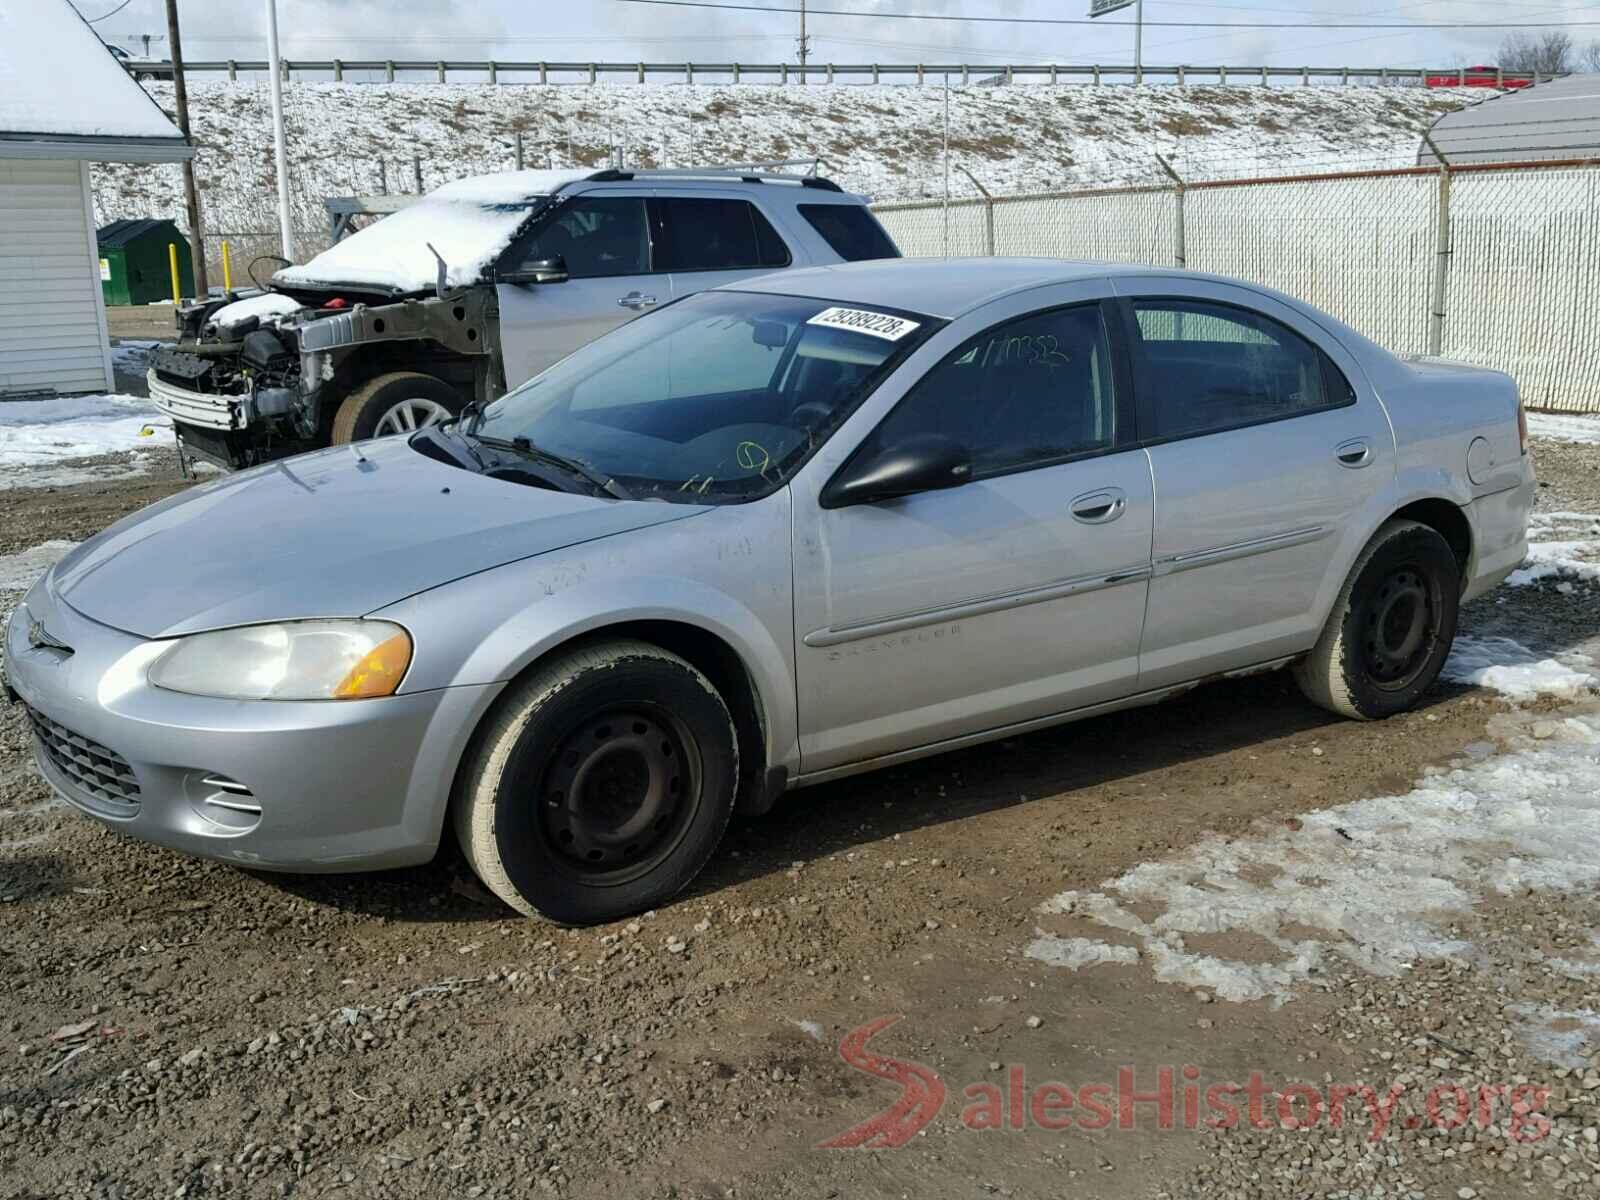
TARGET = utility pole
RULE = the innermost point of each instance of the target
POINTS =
(191, 194)
(1138, 43)
(280, 142)
(803, 43)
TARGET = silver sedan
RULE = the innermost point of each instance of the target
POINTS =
(759, 539)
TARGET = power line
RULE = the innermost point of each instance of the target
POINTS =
(905, 16)
(112, 13)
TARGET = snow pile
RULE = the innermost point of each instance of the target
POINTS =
(1559, 1036)
(1554, 552)
(267, 304)
(18, 571)
(1370, 883)
(1562, 428)
(468, 222)
(38, 437)
(882, 141)
(1510, 668)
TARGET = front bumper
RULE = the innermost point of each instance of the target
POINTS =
(294, 786)
(210, 411)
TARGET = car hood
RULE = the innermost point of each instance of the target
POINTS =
(336, 533)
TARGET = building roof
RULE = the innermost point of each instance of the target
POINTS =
(62, 94)
(120, 233)
(1556, 120)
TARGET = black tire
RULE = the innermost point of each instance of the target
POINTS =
(1391, 627)
(365, 409)
(600, 785)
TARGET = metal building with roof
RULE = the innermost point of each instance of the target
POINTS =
(64, 102)
(1554, 121)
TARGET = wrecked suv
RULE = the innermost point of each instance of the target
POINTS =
(454, 299)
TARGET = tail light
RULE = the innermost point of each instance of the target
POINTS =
(1522, 424)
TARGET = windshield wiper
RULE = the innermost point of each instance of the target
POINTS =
(523, 446)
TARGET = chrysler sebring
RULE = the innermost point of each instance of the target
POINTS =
(758, 539)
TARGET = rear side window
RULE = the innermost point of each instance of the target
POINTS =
(852, 231)
(717, 235)
(1206, 367)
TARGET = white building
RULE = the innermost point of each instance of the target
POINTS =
(64, 103)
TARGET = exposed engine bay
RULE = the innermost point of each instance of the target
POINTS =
(257, 377)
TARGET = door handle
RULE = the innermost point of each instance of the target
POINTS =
(1099, 507)
(636, 300)
(1357, 452)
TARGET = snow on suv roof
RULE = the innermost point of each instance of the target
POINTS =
(469, 222)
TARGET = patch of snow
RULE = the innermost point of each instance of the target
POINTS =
(1372, 883)
(130, 357)
(469, 222)
(39, 437)
(1563, 556)
(60, 79)
(1561, 427)
(1075, 953)
(810, 1028)
(267, 304)
(18, 571)
(884, 141)
(1510, 668)
(1563, 1037)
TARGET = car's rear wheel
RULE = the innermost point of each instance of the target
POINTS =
(396, 403)
(601, 784)
(1391, 627)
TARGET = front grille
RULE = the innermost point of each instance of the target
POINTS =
(103, 774)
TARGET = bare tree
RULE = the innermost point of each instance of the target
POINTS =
(1591, 57)
(1548, 54)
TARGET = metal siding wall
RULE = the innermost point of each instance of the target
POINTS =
(1524, 280)
(51, 334)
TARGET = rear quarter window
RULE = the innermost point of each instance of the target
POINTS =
(852, 231)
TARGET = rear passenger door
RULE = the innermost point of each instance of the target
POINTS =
(705, 241)
(1265, 444)
(605, 239)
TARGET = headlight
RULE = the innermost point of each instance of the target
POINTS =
(296, 660)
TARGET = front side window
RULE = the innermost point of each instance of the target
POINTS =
(1208, 367)
(701, 234)
(719, 397)
(1029, 392)
(596, 236)
(853, 233)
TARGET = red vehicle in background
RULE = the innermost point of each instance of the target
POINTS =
(1478, 77)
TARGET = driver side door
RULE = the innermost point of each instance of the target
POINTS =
(606, 242)
(1011, 598)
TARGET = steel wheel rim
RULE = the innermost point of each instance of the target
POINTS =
(618, 793)
(410, 415)
(1401, 628)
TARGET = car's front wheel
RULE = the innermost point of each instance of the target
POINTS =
(396, 403)
(1391, 627)
(600, 785)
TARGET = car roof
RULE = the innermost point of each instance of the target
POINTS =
(937, 287)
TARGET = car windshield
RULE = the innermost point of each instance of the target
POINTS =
(720, 397)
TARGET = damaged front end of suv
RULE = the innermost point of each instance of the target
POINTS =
(278, 373)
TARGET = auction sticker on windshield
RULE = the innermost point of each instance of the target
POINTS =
(860, 320)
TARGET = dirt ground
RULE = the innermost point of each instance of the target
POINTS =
(400, 1034)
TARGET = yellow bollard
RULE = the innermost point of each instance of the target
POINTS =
(172, 258)
(227, 268)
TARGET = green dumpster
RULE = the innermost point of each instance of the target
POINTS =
(134, 264)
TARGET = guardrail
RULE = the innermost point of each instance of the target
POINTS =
(827, 73)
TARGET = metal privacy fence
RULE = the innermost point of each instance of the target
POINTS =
(1493, 265)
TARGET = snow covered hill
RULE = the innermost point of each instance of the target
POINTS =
(884, 141)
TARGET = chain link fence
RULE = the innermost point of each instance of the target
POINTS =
(1516, 248)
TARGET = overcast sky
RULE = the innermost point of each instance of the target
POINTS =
(612, 29)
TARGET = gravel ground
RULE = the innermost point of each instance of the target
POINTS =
(177, 1028)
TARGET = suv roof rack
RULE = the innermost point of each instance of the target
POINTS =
(753, 174)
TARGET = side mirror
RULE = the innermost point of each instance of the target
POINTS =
(538, 270)
(924, 462)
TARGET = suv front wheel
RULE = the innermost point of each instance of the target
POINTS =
(397, 403)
